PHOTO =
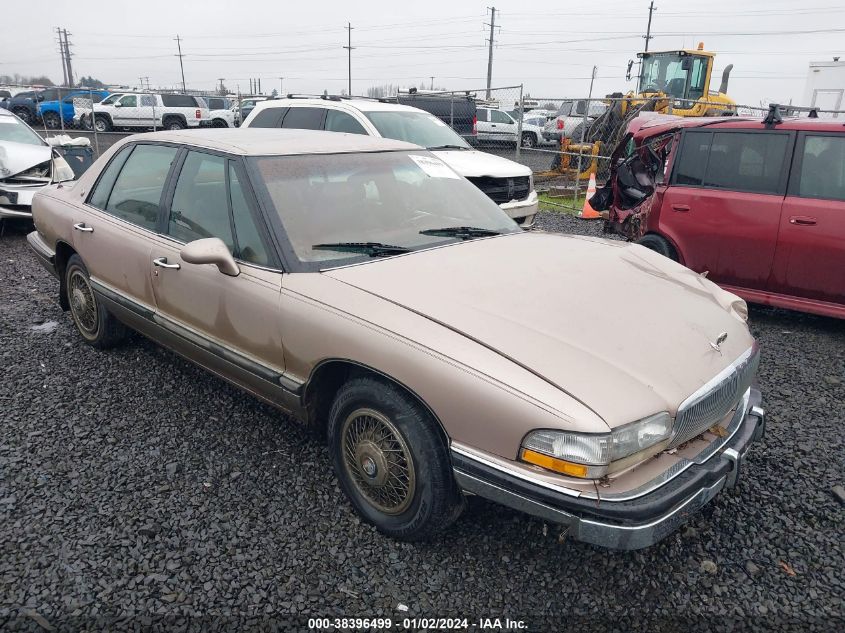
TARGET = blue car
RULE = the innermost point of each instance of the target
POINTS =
(49, 110)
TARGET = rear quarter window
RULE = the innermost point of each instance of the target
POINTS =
(179, 101)
(269, 117)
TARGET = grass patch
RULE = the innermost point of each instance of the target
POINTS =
(565, 204)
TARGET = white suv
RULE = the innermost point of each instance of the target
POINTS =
(145, 110)
(507, 183)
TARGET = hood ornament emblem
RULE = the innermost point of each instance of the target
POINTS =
(719, 340)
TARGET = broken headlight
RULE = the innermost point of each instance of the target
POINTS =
(590, 455)
(61, 170)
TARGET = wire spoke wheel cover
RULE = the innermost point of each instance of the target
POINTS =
(378, 461)
(83, 305)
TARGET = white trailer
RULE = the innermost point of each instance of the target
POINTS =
(825, 87)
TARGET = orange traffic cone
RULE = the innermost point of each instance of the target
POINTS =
(588, 213)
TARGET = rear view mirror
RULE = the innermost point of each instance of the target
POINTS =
(211, 250)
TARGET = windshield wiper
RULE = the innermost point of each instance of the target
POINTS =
(437, 147)
(373, 249)
(461, 232)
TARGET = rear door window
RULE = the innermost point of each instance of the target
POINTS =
(822, 171)
(179, 101)
(736, 161)
(269, 117)
(337, 121)
(136, 194)
(304, 118)
(200, 207)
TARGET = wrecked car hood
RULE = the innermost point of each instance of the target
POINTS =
(623, 330)
(18, 157)
(473, 164)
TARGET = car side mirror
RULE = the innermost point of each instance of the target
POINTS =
(116, 104)
(211, 250)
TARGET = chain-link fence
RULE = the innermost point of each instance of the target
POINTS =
(563, 141)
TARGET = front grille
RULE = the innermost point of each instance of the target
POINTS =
(715, 400)
(501, 190)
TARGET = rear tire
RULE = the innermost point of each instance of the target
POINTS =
(659, 245)
(529, 140)
(173, 124)
(219, 123)
(24, 115)
(391, 460)
(51, 120)
(94, 323)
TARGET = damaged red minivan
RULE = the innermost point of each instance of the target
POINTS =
(758, 204)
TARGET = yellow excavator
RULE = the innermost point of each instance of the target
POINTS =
(670, 82)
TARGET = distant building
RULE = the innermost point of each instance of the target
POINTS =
(825, 87)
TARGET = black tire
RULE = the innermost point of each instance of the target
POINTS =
(529, 140)
(422, 497)
(219, 123)
(51, 120)
(102, 123)
(576, 134)
(94, 323)
(23, 114)
(658, 245)
(173, 123)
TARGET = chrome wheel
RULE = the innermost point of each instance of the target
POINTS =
(83, 305)
(378, 461)
(100, 124)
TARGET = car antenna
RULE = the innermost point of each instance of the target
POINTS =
(773, 117)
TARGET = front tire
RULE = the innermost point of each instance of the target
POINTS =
(94, 323)
(24, 115)
(391, 460)
(102, 123)
(529, 140)
(659, 245)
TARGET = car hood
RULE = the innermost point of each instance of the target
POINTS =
(621, 329)
(18, 157)
(473, 164)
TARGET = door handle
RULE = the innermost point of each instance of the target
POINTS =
(161, 262)
(802, 220)
(494, 125)
(80, 226)
(681, 208)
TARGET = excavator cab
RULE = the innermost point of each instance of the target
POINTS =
(683, 77)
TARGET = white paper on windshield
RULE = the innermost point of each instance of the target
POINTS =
(434, 167)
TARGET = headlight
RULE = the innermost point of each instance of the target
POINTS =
(531, 183)
(591, 455)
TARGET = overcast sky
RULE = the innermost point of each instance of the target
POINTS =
(549, 46)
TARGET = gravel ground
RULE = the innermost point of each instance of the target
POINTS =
(133, 484)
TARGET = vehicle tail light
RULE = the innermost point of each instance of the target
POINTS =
(199, 114)
(474, 125)
(559, 124)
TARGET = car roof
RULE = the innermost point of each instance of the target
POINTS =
(364, 105)
(664, 123)
(276, 142)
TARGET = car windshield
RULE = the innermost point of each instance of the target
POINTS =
(13, 131)
(420, 128)
(386, 199)
(111, 99)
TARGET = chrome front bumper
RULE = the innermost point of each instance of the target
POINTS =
(626, 523)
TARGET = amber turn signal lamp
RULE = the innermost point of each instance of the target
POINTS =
(553, 463)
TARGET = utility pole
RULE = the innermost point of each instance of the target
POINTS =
(648, 34)
(432, 84)
(181, 66)
(490, 53)
(281, 84)
(220, 90)
(67, 60)
(145, 82)
(349, 49)
(62, 53)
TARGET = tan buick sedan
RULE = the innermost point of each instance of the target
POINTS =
(363, 286)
